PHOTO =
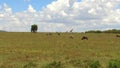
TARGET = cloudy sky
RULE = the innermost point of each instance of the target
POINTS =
(59, 15)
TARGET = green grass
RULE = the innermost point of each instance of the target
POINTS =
(20, 48)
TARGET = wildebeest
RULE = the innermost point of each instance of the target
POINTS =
(71, 37)
(58, 33)
(84, 38)
(117, 35)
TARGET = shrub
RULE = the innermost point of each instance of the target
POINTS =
(105, 31)
(114, 64)
(95, 64)
(94, 31)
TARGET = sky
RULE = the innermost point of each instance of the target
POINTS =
(59, 15)
(21, 5)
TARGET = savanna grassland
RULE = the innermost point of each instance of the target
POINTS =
(19, 49)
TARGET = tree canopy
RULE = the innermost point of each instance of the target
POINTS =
(34, 28)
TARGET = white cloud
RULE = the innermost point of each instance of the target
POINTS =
(92, 14)
(31, 9)
(62, 15)
(71, 2)
(92, 11)
(7, 9)
(1, 15)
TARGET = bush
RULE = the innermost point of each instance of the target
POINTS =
(95, 64)
(114, 64)
(93, 31)
(105, 31)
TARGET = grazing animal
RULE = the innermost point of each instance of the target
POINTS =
(58, 33)
(118, 36)
(84, 38)
(71, 37)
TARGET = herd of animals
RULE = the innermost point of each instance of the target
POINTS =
(83, 37)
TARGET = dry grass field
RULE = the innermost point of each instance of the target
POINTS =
(19, 49)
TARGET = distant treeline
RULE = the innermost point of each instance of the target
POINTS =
(2, 31)
(105, 31)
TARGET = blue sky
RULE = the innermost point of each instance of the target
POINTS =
(119, 6)
(21, 5)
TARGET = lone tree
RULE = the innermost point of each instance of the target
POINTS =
(34, 28)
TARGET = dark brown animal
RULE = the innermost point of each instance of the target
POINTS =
(71, 37)
(118, 36)
(58, 33)
(84, 38)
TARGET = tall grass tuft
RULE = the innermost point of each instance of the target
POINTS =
(54, 64)
(95, 64)
(85, 63)
(30, 65)
(91, 64)
(76, 63)
(114, 64)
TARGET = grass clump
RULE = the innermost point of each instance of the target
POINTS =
(95, 64)
(54, 64)
(91, 64)
(114, 64)
(30, 65)
(85, 63)
(76, 63)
